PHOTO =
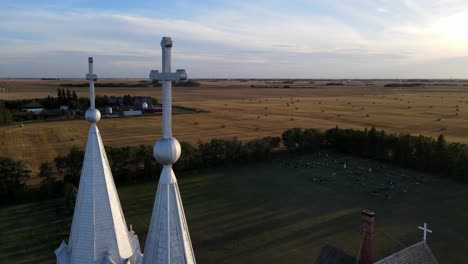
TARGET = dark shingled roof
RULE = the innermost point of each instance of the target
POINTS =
(419, 253)
(333, 255)
(32, 104)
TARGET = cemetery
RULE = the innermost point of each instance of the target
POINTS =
(381, 181)
(273, 211)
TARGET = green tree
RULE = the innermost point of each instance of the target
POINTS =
(69, 97)
(292, 139)
(441, 155)
(59, 96)
(70, 193)
(190, 157)
(69, 166)
(74, 97)
(50, 184)
(63, 96)
(260, 149)
(145, 161)
(46, 171)
(404, 150)
(312, 140)
(460, 161)
(5, 115)
(13, 177)
(128, 100)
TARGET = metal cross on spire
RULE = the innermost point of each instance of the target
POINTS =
(425, 230)
(168, 240)
(91, 77)
(92, 114)
(166, 76)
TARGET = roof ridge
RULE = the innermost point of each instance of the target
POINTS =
(400, 254)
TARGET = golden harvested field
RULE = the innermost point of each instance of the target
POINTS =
(237, 109)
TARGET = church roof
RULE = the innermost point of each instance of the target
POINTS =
(333, 255)
(168, 236)
(419, 253)
(98, 231)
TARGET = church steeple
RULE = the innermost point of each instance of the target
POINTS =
(99, 232)
(168, 240)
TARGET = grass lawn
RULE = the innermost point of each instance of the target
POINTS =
(280, 211)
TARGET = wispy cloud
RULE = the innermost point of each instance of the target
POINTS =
(242, 39)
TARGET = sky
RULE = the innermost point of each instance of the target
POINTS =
(236, 39)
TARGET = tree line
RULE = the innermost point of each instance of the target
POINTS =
(60, 177)
(64, 97)
(11, 111)
(142, 83)
(131, 164)
(421, 153)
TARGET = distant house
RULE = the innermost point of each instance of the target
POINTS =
(64, 107)
(132, 112)
(143, 102)
(109, 110)
(33, 107)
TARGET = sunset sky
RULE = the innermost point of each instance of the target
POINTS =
(236, 39)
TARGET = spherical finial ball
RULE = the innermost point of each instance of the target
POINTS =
(167, 151)
(93, 115)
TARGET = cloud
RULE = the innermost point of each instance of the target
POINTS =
(240, 39)
(383, 10)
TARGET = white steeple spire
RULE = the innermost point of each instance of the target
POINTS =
(98, 233)
(168, 238)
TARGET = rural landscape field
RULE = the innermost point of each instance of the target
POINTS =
(241, 109)
(276, 132)
(283, 210)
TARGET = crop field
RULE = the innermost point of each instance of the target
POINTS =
(247, 110)
(280, 211)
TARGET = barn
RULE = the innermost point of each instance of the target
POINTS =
(33, 107)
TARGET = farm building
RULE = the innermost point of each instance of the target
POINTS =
(143, 102)
(418, 253)
(132, 112)
(109, 110)
(152, 110)
(33, 107)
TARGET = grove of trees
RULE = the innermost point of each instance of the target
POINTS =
(60, 177)
(425, 154)
(12, 110)
(13, 177)
(5, 114)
